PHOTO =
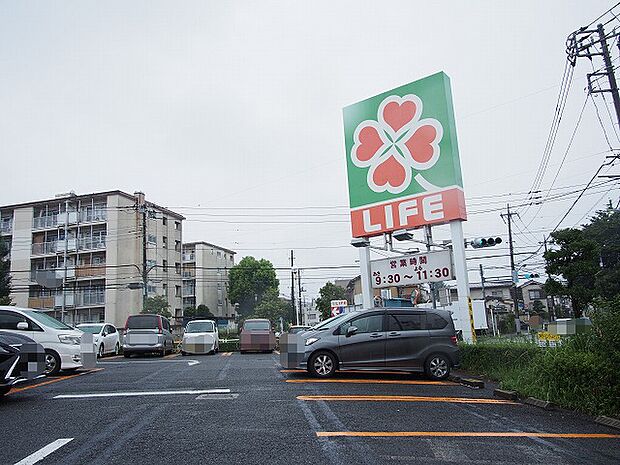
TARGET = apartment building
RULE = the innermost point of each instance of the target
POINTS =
(94, 245)
(205, 278)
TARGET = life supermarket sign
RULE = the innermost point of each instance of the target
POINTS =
(403, 162)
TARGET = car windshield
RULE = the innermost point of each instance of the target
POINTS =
(93, 329)
(200, 327)
(143, 322)
(298, 329)
(251, 325)
(329, 323)
(46, 320)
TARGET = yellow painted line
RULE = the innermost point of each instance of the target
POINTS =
(373, 381)
(53, 380)
(114, 357)
(458, 400)
(171, 356)
(364, 372)
(476, 434)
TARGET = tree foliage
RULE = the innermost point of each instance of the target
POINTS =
(586, 262)
(202, 311)
(157, 305)
(5, 274)
(273, 307)
(249, 280)
(328, 293)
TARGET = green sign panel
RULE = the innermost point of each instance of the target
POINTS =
(402, 158)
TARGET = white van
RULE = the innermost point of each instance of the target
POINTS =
(61, 342)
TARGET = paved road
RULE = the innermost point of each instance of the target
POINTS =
(177, 411)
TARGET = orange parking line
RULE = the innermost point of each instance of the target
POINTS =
(491, 434)
(373, 381)
(458, 400)
(53, 380)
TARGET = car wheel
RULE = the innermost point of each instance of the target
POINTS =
(117, 349)
(437, 367)
(323, 364)
(183, 353)
(52, 363)
(100, 351)
(126, 354)
(162, 353)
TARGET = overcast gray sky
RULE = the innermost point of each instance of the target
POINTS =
(234, 107)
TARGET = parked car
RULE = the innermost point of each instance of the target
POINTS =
(147, 333)
(61, 342)
(21, 359)
(404, 339)
(200, 337)
(257, 335)
(105, 337)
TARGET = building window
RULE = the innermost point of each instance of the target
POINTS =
(165, 288)
(497, 293)
(164, 266)
(535, 294)
(219, 254)
(177, 225)
(152, 239)
(177, 268)
(165, 221)
(164, 242)
(177, 246)
(177, 291)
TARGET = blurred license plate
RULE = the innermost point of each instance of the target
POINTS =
(142, 339)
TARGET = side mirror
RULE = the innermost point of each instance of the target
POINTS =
(351, 330)
(22, 326)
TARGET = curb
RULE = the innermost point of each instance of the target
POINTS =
(539, 403)
(503, 394)
(608, 421)
(474, 383)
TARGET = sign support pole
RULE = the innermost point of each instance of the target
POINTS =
(367, 298)
(462, 279)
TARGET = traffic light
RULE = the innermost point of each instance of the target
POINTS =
(480, 242)
(531, 275)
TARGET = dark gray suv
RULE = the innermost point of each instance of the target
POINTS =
(406, 339)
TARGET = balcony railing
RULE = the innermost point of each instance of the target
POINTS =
(189, 274)
(189, 257)
(93, 216)
(44, 248)
(6, 226)
(41, 222)
(89, 298)
(189, 291)
(92, 243)
(86, 271)
(41, 302)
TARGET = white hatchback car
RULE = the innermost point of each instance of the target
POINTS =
(200, 337)
(105, 337)
(61, 342)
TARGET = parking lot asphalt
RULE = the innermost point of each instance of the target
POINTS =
(234, 408)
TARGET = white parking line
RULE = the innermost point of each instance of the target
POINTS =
(44, 452)
(142, 393)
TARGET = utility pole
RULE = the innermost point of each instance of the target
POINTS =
(514, 273)
(609, 70)
(141, 208)
(293, 288)
(301, 310)
(552, 309)
(484, 299)
(428, 237)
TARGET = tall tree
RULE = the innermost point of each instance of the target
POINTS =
(604, 229)
(273, 307)
(572, 267)
(248, 282)
(5, 274)
(202, 311)
(157, 305)
(328, 293)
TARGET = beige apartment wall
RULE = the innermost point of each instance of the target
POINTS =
(207, 279)
(123, 247)
(20, 254)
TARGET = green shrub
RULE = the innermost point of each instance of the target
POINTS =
(230, 345)
(495, 359)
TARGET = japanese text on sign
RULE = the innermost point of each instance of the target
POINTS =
(412, 269)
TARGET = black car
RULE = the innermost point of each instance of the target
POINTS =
(21, 359)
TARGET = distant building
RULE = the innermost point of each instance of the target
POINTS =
(310, 314)
(101, 236)
(205, 278)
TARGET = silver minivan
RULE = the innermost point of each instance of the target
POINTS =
(403, 339)
(147, 333)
